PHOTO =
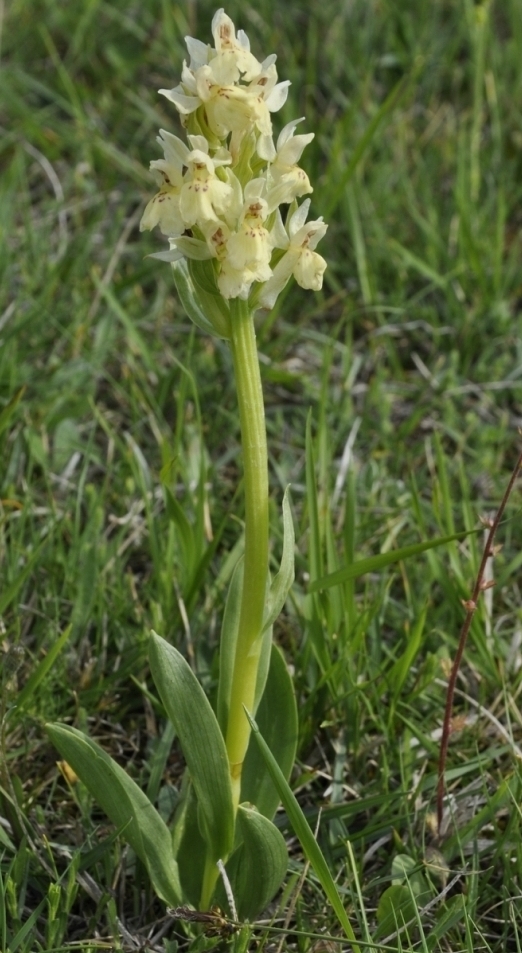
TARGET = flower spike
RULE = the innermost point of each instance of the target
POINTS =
(220, 195)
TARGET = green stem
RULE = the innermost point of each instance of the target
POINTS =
(255, 462)
(210, 878)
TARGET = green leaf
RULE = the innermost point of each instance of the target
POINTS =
(408, 893)
(281, 584)
(227, 645)
(227, 649)
(200, 306)
(405, 868)
(304, 834)
(190, 849)
(375, 563)
(277, 721)
(201, 741)
(396, 907)
(125, 804)
(256, 870)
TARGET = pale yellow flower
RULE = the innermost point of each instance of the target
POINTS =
(232, 49)
(300, 259)
(204, 197)
(287, 180)
(249, 249)
(163, 209)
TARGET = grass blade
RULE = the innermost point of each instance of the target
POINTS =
(304, 833)
(375, 563)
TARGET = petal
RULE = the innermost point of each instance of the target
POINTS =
(280, 277)
(265, 148)
(319, 232)
(224, 68)
(287, 132)
(268, 62)
(254, 189)
(163, 210)
(170, 174)
(290, 186)
(175, 149)
(278, 235)
(188, 79)
(292, 150)
(234, 283)
(223, 29)
(199, 144)
(298, 218)
(249, 249)
(195, 205)
(278, 96)
(235, 205)
(198, 159)
(185, 104)
(198, 52)
(243, 40)
(310, 234)
(309, 270)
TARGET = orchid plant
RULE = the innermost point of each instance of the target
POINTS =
(232, 251)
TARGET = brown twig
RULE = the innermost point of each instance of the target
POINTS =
(470, 607)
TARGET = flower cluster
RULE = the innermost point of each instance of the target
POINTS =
(220, 195)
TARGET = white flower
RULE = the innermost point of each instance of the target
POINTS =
(185, 95)
(299, 259)
(249, 249)
(163, 209)
(238, 108)
(234, 50)
(203, 196)
(230, 106)
(287, 180)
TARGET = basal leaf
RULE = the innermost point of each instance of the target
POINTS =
(125, 804)
(277, 721)
(257, 868)
(190, 848)
(201, 741)
(396, 907)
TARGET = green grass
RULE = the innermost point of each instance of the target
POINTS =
(107, 395)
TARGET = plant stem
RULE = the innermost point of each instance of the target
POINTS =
(470, 607)
(255, 462)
